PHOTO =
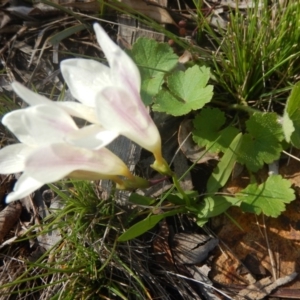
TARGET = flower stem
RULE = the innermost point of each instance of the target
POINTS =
(180, 190)
(133, 183)
(162, 167)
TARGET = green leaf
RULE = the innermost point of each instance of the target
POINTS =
(166, 102)
(291, 117)
(216, 205)
(141, 200)
(61, 35)
(145, 225)
(187, 91)
(225, 166)
(287, 127)
(262, 143)
(201, 221)
(177, 198)
(268, 198)
(154, 60)
(208, 132)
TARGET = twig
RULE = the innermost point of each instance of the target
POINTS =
(201, 282)
(20, 31)
(258, 225)
(271, 255)
(291, 155)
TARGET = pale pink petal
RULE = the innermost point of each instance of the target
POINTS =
(23, 187)
(12, 158)
(123, 69)
(56, 161)
(78, 110)
(40, 124)
(29, 96)
(72, 108)
(91, 137)
(85, 77)
(117, 111)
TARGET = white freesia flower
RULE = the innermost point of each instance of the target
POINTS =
(96, 134)
(52, 147)
(72, 108)
(114, 92)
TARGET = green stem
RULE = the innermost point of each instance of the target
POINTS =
(181, 191)
(247, 109)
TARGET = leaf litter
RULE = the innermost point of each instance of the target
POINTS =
(259, 237)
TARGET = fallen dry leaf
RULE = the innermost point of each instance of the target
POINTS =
(8, 217)
(154, 12)
(87, 6)
(4, 19)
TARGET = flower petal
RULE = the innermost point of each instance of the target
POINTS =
(85, 77)
(40, 124)
(117, 111)
(54, 162)
(91, 137)
(72, 108)
(12, 158)
(23, 187)
(78, 110)
(123, 69)
(29, 96)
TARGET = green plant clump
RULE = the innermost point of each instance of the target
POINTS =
(256, 56)
(84, 261)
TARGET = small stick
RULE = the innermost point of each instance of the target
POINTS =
(20, 31)
(271, 255)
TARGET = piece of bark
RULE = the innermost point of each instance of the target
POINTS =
(8, 217)
(205, 284)
(161, 247)
(192, 248)
(131, 29)
(263, 288)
